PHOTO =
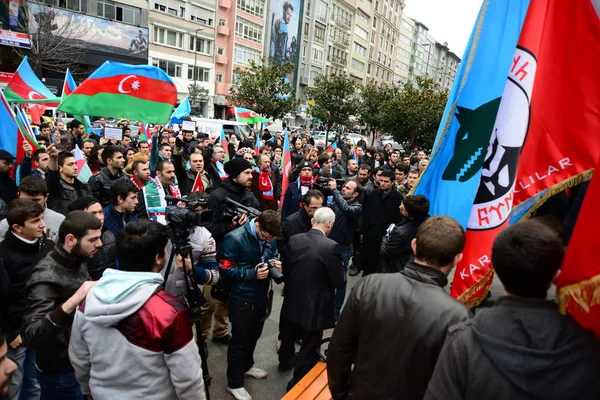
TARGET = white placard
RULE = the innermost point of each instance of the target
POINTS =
(188, 126)
(113, 133)
(211, 128)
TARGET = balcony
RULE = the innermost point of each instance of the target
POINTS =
(225, 4)
(223, 30)
(221, 88)
(322, 18)
(340, 19)
(221, 59)
(316, 62)
(341, 40)
(337, 60)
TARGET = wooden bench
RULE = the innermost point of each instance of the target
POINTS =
(312, 387)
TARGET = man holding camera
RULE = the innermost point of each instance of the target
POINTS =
(246, 256)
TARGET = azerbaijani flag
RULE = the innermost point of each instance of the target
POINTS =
(250, 117)
(26, 87)
(25, 128)
(257, 145)
(355, 154)
(84, 173)
(224, 144)
(12, 132)
(286, 164)
(68, 87)
(136, 92)
(331, 148)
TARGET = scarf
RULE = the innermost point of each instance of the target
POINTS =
(154, 199)
(220, 168)
(304, 185)
(265, 185)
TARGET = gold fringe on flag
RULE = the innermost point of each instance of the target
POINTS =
(559, 187)
(465, 298)
(586, 294)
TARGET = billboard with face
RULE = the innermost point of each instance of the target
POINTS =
(87, 32)
(285, 31)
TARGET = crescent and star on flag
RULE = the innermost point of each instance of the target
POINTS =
(135, 85)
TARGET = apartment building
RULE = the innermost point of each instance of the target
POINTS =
(340, 31)
(422, 52)
(445, 65)
(359, 49)
(404, 49)
(384, 38)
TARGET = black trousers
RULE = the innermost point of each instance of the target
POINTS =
(288, 334)
(308, 355)
(356, 251)
(370, 254)
(246, 328)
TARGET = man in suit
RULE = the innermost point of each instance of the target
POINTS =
(313, 273)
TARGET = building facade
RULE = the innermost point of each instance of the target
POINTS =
(359, 48)
(384, 38)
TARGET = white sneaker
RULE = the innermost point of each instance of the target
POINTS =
(257, 373)
(239, 393)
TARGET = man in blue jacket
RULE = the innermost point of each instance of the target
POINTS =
(243, 255)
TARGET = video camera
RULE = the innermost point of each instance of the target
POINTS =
(235, 209)
(322, 184)
(188, 217)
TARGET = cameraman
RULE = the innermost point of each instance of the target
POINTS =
(204, 251)
(243, 259)
(348, 210)
(235, 187)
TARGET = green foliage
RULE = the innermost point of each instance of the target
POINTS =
(263, 88)
(197, 94)
(413, 116)
(333, 97)
(370, 111)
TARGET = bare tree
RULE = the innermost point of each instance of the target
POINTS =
(55, 38)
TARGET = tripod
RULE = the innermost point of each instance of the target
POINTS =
(193, 298)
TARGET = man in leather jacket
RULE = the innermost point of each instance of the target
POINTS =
(63, 185)
(396, 248)
(106, 257)
(55, 288)
(100, 183)
(368, 335)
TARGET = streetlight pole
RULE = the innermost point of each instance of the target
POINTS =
(428, 54)
(195, 59)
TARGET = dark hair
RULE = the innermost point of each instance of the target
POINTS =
(139, 243)
(121, 187)
(287, 5)
(365, 166)
(372, 150)
(380, 168)
(74, 124)
(270, 222)
(40, 138)
(405, 155)
(387, 173)
(20, 210)
(359, 187)
(136, 163)
(33, 186)
(439, 240)
(526, 257)
(160, 165)
(312, 194)
(163, 145)
(36, 154)
(125, 135)
(44, 125)
(63, 156)
(402, 167)
(323, 158)
(124, 129)
(417, 206)
(92, 160)
(109, 152)
(141, 142)
(77, 223)
(414, 159)
(396, 151)
(413, 171)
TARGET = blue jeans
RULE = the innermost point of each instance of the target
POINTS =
(23, 383)
(340, 294)
(59, 386)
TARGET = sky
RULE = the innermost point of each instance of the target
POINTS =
(448, 21)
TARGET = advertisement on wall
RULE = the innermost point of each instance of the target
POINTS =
(284, 43)
(90, 33)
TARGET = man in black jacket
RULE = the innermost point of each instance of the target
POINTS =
(100, 183)
(522, 347)
(187, 177)
(63, 185)
(396, 248)
(381, 210)
(8, 187)
(314, 272)
(237, 188)
(398, 322)
(23, 246)
(55, 288)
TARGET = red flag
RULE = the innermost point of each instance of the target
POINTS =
(546, 129)
(198, 186)
(579, 280)
(286, 164)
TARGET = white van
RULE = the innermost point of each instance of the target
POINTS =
(212, 127)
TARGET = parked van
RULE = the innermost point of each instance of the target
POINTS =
(213, 127)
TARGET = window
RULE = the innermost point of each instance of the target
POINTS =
(362, 16)
(306, 28)
(401, 65)
(321, 11)
(75, 5)
(160, 7)
(172, 11)
(406, 26)
(317, 56)
(374, 22)
(243, 55)
(222, 22)
(361, 33)
(182, 12)
(254, 7)
(201, 45)
(319, 33)
(202, 15)
(119, 12)
(168, 37)
(358, 49)
(248, 30)
(371, 52)
(369, 68)
(202, 74)
(343, 16)
(221, 51)
(405, 39)
(403, 53)
(219, 78)
(357, 65)
(172, 69)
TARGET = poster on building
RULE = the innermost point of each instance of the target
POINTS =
(284, 43)
(87, 32)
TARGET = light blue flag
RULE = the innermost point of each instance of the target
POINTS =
(451, 180)
(181, 112)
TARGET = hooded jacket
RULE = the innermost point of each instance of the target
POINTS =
(520, 349)
(153, 355)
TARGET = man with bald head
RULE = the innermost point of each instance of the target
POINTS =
(265, 185)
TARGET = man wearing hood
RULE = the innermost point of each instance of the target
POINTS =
(522, 347)
(153, 352)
